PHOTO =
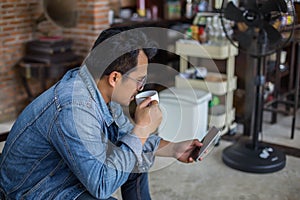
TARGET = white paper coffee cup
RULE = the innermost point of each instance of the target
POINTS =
(143, 95)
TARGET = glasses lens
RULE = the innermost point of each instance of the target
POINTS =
(142, 83)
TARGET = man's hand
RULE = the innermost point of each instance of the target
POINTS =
(187, 151)
(148, 117)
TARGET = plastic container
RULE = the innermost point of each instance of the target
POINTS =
(217, 116)
(185, 114)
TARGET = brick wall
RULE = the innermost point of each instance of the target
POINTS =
(17, 18)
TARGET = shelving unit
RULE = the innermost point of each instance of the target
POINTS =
(225, 85)
(290, 97)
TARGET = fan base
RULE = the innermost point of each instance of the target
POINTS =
(262, 159)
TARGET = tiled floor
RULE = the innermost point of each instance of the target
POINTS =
(280, 132)
(211, 179)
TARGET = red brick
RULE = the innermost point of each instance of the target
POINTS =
(6, 6)
(16, 28)
(7, 17)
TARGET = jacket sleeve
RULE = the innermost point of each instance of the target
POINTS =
(82, 142)
(146, 158)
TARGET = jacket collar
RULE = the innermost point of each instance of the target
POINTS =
(95, 94)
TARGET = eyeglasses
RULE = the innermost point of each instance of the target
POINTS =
(140, 83)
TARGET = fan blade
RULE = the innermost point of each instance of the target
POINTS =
(274, 5)
(231, 12)
(251, 5)
(244, 38)
(273, 35)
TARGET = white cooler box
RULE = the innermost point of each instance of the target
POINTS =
(185, 113)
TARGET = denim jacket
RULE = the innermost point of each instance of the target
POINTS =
(68, 140)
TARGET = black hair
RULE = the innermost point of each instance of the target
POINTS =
(125, 48)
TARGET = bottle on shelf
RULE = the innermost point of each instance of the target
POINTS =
(172, 9)
(188, 34)
(203, 6)
(217, 4)
(220, 36)
(195, 32)
(202, 35)
(189, 9)
(209, 29)
(141, 8)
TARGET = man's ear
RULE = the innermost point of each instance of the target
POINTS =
(113, 78)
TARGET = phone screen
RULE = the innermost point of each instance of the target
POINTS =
(208, 140)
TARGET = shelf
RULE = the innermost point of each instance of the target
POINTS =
(195, 49)
(215, 83)
(143, 22)
(215, 87)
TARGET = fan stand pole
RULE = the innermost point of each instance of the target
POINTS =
(256, 106)
(253, 156)
(257, 113)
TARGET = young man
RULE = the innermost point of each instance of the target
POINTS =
(74, 142)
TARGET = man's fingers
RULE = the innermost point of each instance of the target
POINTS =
(201, 158)
(148, 102)
(154, 102)
(197, 143)
(145, 103)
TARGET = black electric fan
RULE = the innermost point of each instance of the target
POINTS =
(258, 28)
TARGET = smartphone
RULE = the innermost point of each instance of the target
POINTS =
(208, 140)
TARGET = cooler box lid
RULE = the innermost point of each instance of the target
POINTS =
(188, 95)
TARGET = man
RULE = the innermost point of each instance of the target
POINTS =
(74, 142)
